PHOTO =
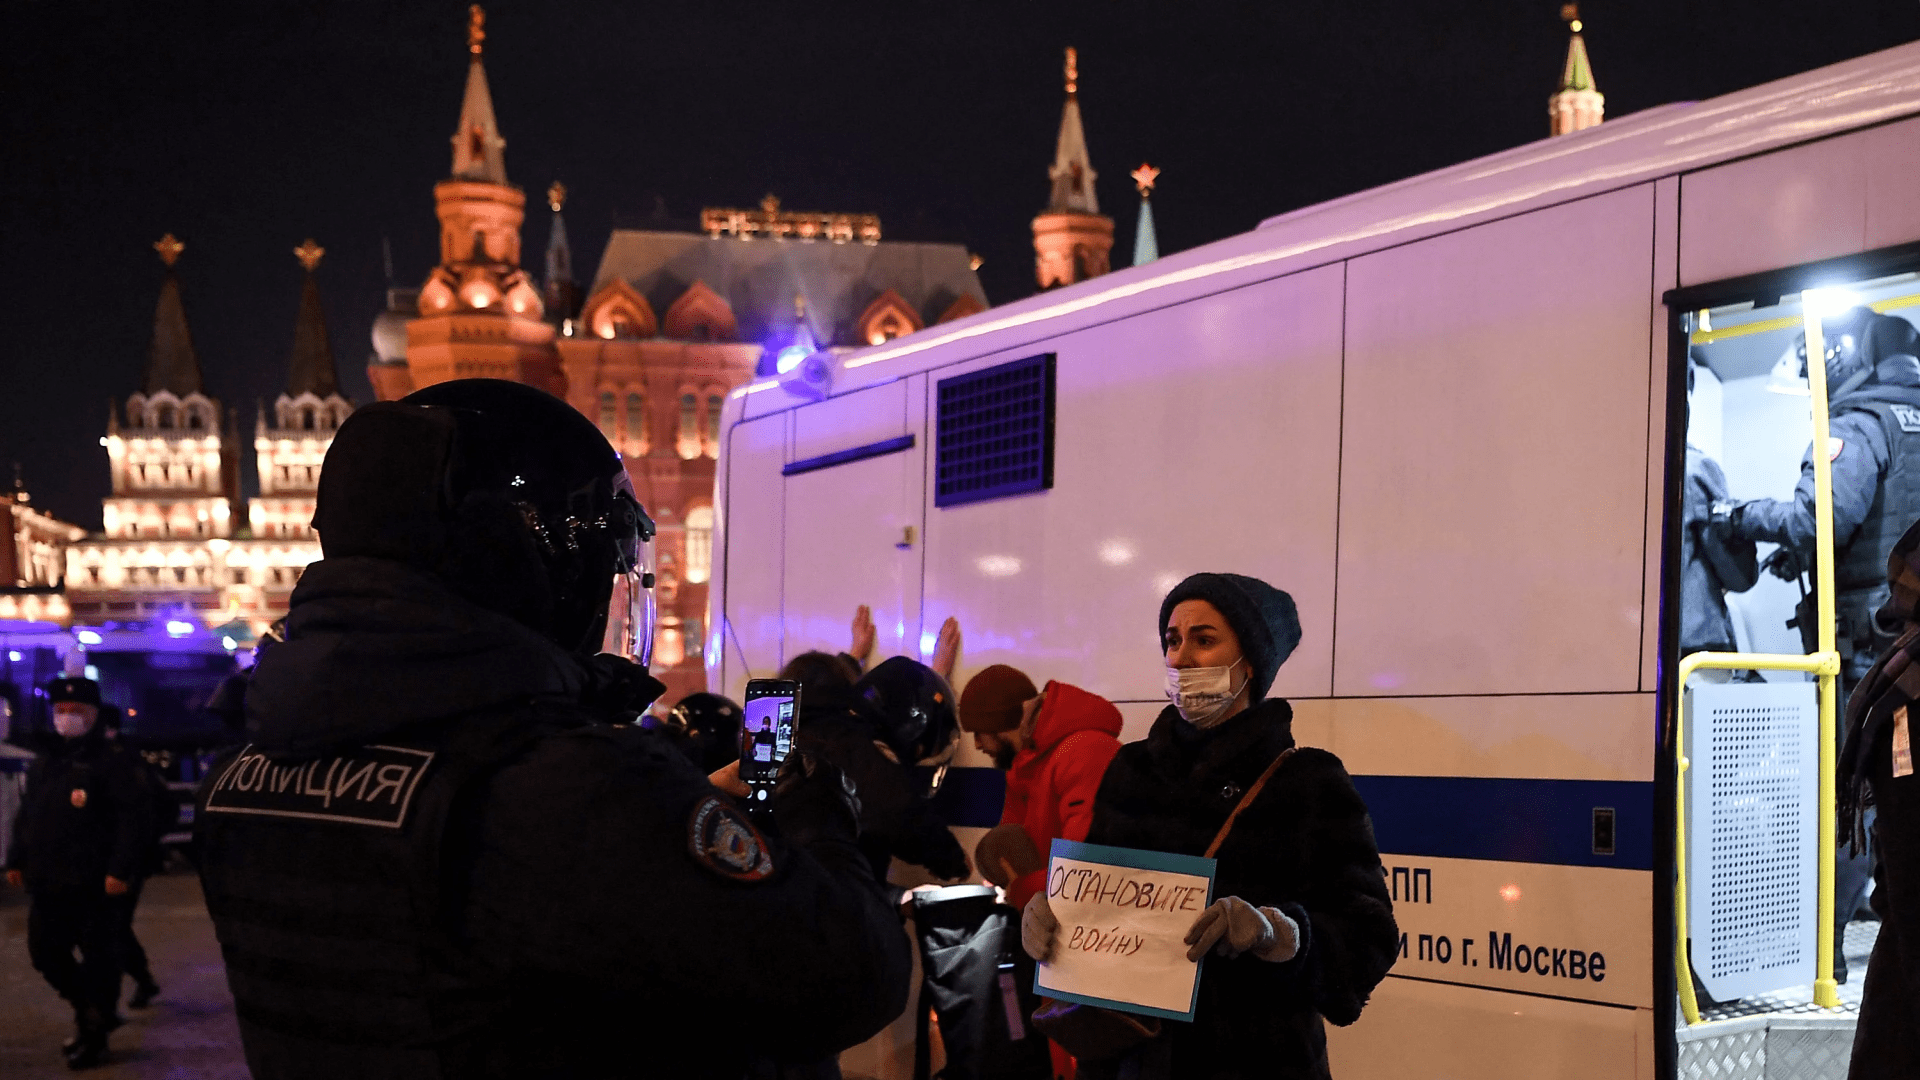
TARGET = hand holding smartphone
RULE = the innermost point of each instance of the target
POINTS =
(766, 735)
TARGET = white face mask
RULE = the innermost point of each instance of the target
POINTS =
(71, 725)
(1203, 694)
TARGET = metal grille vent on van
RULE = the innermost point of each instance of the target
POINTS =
(994, 434)
(1752, 803)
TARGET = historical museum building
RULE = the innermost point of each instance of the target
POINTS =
(672, 322)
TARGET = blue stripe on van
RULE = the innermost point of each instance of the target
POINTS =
(970, 797)
(1454, 817)
(1537, 821)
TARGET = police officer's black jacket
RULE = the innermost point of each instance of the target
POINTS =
(431, 859)
(1305, 845)
(896, 819)
(85, 817)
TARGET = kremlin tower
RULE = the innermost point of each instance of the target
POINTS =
(1578, 104)
(480, 315)
(1071, 237)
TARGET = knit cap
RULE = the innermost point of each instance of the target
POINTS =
(1262, 617)
(993, 700)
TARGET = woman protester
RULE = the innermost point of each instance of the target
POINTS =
(1303, 928)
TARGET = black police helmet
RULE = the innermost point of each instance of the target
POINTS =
(913, 709)
(709, 727)
(503, 491)
(1857, 342)
(74, 689)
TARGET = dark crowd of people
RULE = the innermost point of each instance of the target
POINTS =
(457, 841)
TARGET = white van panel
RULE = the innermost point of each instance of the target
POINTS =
(1430, 1031)
(847, 540)
(1791, 206)
(1204, 436)
(1893, 161)
(1564, 737)
(851, 420)
(1517, 567)
(755, 512)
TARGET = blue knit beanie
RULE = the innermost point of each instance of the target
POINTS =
(1262, 617)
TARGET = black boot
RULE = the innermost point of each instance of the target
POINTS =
(143, 994)
(88, 1048)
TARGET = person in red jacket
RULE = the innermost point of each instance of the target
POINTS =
(1055, 746)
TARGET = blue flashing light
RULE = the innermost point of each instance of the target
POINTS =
(178, 628)
(92, 673)
(89, 637)
(229, 644)
(790, 357)
(13, 655)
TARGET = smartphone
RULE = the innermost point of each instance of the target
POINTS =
(766, 734)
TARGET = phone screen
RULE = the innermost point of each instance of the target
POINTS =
(766, 733)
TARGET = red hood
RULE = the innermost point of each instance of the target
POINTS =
(1066, 709)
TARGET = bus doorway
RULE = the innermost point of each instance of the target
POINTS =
(1798, 407)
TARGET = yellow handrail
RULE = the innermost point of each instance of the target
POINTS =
(1824, 663)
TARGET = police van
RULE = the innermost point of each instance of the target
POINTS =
(1450, 416)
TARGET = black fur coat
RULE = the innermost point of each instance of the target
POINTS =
(1305, 846)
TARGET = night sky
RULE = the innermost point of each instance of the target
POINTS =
(244, 128)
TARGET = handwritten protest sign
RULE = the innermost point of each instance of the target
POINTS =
(1123, 916)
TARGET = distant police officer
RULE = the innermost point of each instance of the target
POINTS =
(1872, 366)
(435, 857)
(81, 838)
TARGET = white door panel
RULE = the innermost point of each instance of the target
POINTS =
(849, 421)
(1198, 437)
(1494, 461)
(847, 527)
(756, 450)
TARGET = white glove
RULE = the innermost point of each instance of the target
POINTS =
(1231, 926)
(1038, 928)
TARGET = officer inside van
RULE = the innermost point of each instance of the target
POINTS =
(1873, 398)
(447, 850)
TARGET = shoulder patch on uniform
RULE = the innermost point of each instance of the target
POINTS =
(1835, 444)
(720, 838)
(369, 785)
(1907, 416)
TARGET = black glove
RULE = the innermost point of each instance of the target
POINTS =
(1729, 556)
(1785, 564)
(814, 801)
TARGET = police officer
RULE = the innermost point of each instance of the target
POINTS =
(164, 815)
(436, 857)
(706, 728)
(79, 842)
(1873, 393)
(894, 734)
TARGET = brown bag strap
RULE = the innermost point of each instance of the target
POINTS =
(1247, 800)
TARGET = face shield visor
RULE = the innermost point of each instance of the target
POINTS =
(631, 612)
(940, 762)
